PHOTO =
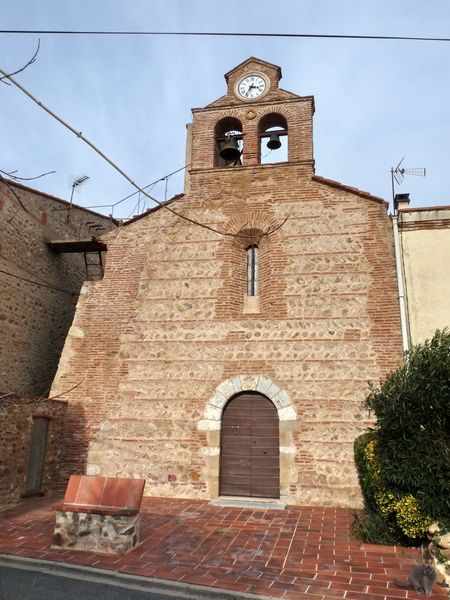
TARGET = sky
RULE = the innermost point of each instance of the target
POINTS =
(376, 101)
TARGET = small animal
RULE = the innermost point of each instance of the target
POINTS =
(421, 579)
(428, 554)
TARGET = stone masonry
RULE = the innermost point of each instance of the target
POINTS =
(92, 532)
(17, 415)
(178, 337)
(35, 317)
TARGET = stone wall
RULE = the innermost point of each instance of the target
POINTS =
(39, 287)
(17, 415)
(176, 329)
(179, 336)
(91, 532)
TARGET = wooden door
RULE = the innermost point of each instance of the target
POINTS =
(249, 457)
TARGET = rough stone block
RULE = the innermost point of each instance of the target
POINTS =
(236, 383)
(263, 384)
(218, 400)
(96, 532)
(93, 469)
(281, 399)
(287, 414)
(212, 413)
(226, 389)
(249, 382)
(205, 425)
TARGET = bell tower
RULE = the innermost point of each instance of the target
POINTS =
(252, 123)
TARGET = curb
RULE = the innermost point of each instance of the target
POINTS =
(135, 582)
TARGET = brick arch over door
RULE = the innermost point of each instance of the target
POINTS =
(212, 423)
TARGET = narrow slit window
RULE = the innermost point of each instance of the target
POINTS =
(252, 270)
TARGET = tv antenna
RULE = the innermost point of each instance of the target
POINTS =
(79, 181)
(398, 173)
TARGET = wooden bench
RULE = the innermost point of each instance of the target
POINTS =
(99, 514)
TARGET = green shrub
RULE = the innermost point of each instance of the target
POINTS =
(365, 468)
(371, 528)
(404, 463)
(391, 516)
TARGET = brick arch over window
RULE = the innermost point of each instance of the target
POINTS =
(251, 228)
(212, 421)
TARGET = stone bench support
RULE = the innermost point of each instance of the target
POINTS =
(99, 514)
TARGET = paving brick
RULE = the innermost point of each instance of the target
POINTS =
(183, 553)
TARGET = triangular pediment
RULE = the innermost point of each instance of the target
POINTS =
(253, 63)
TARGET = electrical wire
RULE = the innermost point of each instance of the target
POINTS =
(401, 38)
(139, 201)
(16, 196)
(164, 205)
(150, 185)
(14, 177)
(50, 287)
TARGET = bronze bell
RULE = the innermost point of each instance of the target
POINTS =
(274, 142)
(230, 150)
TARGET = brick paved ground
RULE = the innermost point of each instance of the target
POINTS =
(297, 553)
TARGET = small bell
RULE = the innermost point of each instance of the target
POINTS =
(274, 142)
(230, 150)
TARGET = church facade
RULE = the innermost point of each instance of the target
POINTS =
(228, 348)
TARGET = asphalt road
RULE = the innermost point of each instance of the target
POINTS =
(21, 584)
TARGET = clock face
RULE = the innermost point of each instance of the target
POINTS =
(252, 86)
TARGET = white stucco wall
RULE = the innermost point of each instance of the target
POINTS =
(425, 240)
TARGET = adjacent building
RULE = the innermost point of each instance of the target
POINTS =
(40, 283)
(48, 247)
(424, 234)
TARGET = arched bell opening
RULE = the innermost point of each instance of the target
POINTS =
(229, 143)
(273, 136)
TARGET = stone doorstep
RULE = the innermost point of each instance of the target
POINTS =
(254, 503)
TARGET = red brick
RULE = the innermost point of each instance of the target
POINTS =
(167, 324)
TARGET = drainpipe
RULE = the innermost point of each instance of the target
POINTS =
(400, 278)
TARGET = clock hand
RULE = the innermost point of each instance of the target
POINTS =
(249, 89)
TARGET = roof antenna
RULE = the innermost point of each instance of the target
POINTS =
(398, 173)
(79, 181)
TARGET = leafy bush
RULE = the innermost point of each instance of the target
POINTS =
(371, 528)
(390, 516)
(363, 448)
(404, 463)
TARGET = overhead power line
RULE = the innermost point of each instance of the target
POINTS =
(150, 185)
(79, 134)
(402, 38)
(39, 284)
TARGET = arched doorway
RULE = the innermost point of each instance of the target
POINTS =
(250, 447)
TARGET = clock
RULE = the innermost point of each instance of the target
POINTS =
(252, 86)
